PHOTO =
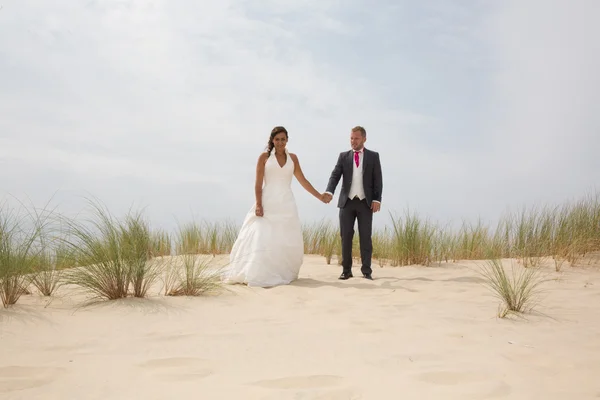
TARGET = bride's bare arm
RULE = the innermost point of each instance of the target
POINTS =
(302, 179)
(258, 185)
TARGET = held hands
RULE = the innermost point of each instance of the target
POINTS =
(326, 198)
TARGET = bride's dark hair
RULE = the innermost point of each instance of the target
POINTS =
(274, 132)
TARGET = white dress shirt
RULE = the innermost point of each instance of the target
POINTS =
(356, 188)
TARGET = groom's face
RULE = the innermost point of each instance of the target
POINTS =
(357, 140)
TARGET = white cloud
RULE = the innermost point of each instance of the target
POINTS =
(543, 115)
(148, 96)
(94, 166)
(174, 90)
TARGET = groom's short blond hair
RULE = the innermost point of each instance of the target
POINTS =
(360, 129)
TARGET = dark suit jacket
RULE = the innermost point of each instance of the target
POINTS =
(372, 176)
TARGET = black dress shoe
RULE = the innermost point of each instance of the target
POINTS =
(368, 276)
(345, 275)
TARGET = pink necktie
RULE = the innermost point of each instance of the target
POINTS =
(356, 158)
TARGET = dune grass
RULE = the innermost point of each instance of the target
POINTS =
(136, 242)
(517, 290)
(161, 244)
(192, 273)
(412, 241)
(322, 238)
(15, 255)
(564, 233)
(21, 245)
(110, 258)
(113, 255)
(47, 271)
(106, 257)
(382, 245)
(196, 276)
(206, 238)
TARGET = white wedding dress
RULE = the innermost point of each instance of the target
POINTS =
(269, 250)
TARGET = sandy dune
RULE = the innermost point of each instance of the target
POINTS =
(413, 333)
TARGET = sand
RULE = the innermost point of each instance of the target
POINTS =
(412, 333)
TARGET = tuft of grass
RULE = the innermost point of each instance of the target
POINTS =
(331, 243)
(189, 239)
(328, 240)
(19, 248)
(533, 233)
(113, 256)
(516, 290)
(48, 266)
(472, 242)
(195, 277)
(499, 243)
(443, 244)
(46, 274)
(412, 241)
(381, 246)
(207, 238)
(136, 243)
(161, 244)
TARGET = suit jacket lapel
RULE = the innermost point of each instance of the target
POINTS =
(351, 160)
(364, 160)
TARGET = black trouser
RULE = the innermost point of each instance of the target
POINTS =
(356, 209)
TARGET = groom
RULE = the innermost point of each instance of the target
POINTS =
(359, 198)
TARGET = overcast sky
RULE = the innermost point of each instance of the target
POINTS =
(474, 106)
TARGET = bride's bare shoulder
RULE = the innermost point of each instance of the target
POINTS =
(262, 159)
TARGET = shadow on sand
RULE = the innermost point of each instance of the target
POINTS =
(460, 279)
(27, 314)
(147, 305)
(386, 283)
(353, 283)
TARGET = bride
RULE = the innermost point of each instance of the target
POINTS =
(269, 249)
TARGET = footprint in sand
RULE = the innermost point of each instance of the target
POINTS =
(366, 327)
(502, 389)
(334, 394)
(178, 368)
(300, 382)
(486, 387)
(343, 394)
(450, 378)
(173, 337)
(18, 377)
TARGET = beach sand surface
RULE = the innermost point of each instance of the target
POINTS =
(412, 333)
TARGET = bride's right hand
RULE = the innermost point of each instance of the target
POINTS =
(259, 211)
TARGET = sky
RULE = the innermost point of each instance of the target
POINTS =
(475, 107)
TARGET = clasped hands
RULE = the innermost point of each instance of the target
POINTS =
(326, 198)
